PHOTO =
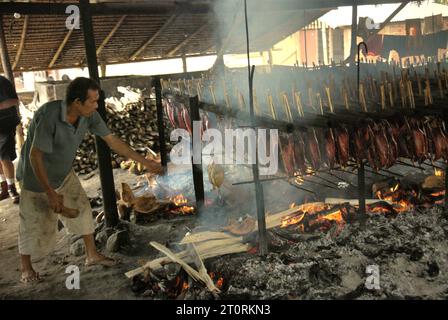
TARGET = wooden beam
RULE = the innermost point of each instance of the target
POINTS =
(61, 47)
(106, 8)
(22, 43)
(6, 63)
(383, 24)
(102, 149)
(187, 40)
(110, 35)
(152, 38)
(354, 43)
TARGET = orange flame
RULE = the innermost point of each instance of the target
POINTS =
(220, 282)
(180, 201)
(292, 220)
(438, 172)
(335, 216)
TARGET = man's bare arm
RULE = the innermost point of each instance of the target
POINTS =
(124, 150)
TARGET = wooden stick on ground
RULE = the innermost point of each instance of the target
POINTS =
(207, 249)
(201, 276)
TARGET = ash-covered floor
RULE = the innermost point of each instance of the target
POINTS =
(409, 251)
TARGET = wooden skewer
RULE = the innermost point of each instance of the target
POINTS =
(391, 96)
(375, 88)
(198, 91)
(383, 97)
(330, 102)
(241, 102)
(362, 97)
(310, 97)
(298, 101)
(319, 100)
(419, 84)
(271, 106)
(184, 81)
(428, 92)
(212, 92)
(411, 94)
(402, 94)
(439, 82)
(345, 95)
(226, 96)
(287, 106)
(256, 105)
(445, 73)
(190, 91)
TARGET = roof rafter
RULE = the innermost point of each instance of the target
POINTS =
(153, 37)
(61, 47)
(110, 35)
(22, 43)
(184, 42)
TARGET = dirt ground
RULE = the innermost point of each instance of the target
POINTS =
(96, 282)
(410, 251)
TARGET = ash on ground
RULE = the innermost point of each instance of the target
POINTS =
(409, 252)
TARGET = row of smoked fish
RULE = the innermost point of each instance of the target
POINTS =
(378, 142)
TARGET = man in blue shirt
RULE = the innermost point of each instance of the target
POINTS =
(48, 183)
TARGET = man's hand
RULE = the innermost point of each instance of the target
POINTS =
(56, 201)
(153, 166)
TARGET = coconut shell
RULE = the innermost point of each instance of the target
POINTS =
(126, 193)
(241, 228)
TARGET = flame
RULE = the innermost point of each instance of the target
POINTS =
(299, 180)
(181, 202)
(335, 216)
(220, 282)
(185, 286)
(395, 188)
(438, 194)
(292, 205)
(438, 172)
(289, 220)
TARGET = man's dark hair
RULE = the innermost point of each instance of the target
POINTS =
(78, 89)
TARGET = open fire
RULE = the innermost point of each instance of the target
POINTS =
(182, 204)
(392, 199)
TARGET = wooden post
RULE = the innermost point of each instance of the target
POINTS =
(103, 69)
(184, 63)
(354, 34)
(160, 124)
(6, 63)
(7, 69)
(196, 161)
(103, 151)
